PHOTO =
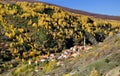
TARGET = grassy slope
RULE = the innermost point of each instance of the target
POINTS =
(106, 60)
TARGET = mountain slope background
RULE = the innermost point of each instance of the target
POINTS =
(31, 29)
(102, 16)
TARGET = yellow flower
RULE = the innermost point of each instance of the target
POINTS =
(34, 24)
(11, 44)
(20, 39)
(32, 53)
(35, 45)
(9, 35)
(15, 51)
(21, 30)
(29, 22)
(23, 60)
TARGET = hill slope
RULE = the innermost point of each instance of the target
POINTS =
(102, 60)
(70, 10)
(87, 13)
(29, 30)
(108, 58)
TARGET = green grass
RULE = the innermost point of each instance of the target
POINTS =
(102, 65)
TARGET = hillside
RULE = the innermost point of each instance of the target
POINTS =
(105, 58)
(34, 31)
(102, 60)
(102, 16)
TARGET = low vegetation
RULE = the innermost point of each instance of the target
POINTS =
(32, 29)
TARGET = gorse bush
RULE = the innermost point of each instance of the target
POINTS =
(31, 29)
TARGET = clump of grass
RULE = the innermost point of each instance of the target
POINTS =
(94, 72)
(102, 65)
(21, 70)
(50, 66)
